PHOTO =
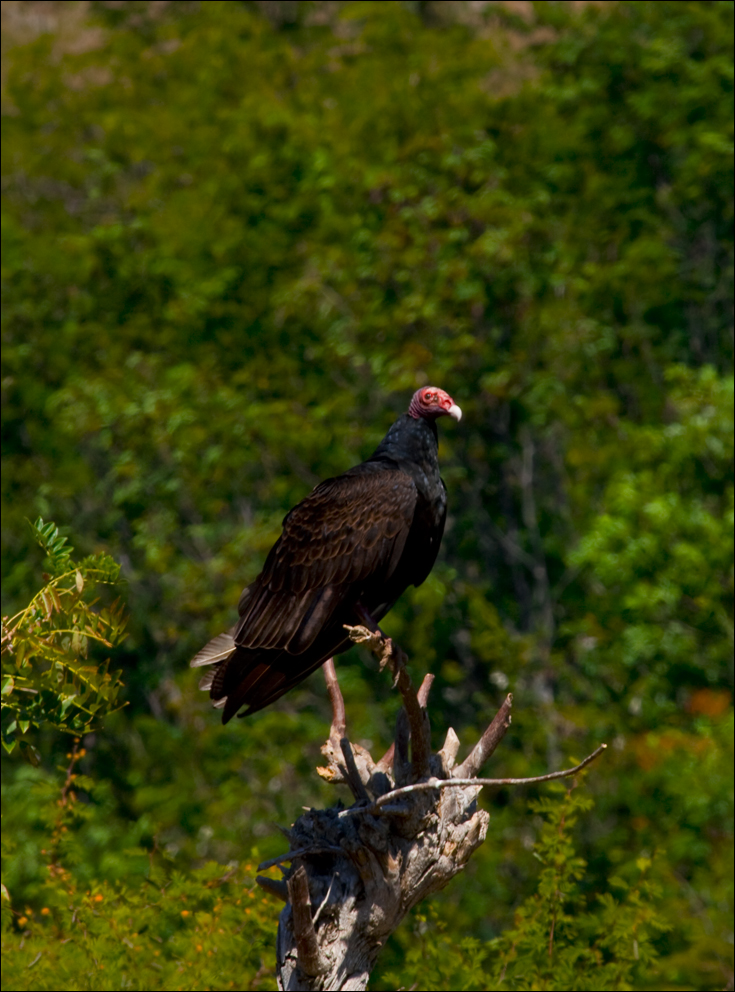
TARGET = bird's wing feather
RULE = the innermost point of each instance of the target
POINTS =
(348, 530)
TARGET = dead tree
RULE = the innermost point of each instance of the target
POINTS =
(355, 872)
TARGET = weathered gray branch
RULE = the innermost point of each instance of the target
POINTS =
(487, 743)
(413, 827)
(453, 783)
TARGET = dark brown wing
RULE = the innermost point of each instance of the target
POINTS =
(343, 542)
(348, 531)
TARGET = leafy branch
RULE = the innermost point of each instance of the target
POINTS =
(46, 677)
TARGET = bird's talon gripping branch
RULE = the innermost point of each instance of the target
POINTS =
(361, 635)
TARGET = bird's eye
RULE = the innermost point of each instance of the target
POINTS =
(429, 397)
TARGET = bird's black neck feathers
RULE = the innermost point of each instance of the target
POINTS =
(412, 445)
(409, 441)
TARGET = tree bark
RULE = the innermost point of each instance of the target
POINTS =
(355, 872)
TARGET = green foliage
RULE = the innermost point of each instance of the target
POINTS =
(661, 551)
(557, 942)
(166, 929)
(180, 931)
(135, 920)
(434, 956)
(561, 938)
(232, 247)
(47, 681)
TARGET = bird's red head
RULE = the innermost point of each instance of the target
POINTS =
(430, 403)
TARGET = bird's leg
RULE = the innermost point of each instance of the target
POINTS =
(363, 615)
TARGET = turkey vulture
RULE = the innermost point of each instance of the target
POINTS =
(360, 538)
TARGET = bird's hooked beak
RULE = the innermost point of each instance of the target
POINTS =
(454, 412)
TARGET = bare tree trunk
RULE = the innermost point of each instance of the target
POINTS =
(356, 872)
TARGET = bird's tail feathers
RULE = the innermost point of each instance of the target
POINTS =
(219, 648)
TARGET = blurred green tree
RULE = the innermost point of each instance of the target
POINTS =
(233, 245)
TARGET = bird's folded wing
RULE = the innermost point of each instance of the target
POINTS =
(349, 530)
